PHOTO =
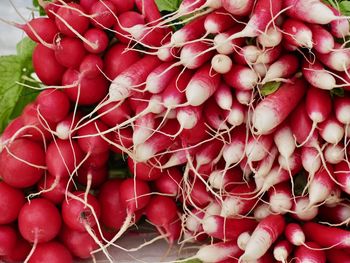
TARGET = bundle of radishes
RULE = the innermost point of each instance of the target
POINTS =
(231, 116)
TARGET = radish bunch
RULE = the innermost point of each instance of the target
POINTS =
(234, 129)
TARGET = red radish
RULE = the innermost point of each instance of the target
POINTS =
(311, 160)
(20, 251)
(314, 12)
(161, 211)
(275, 108)
(258, 148)
(52, 251)
(97, 37)
(114, 113)
(227, 228)
(331, 130)
(297, 33)
(241, 78)
(54, 189)
(342, 174)
(264, 235)
(214, 116)
(65, 128)
(92, 177)
(40, 29)
(340, 28)
(113, 213)
(91, 66)
(8, 238)
(33, 221)
(302, 209)
(338, 59)
(169, 182)
(295, 234)
(337, 214)
(342, 109)
(242, 240)
(192, 30)
(80, 212)
(238, 8)
(144, 171)
(320, 186)
(167, 53)
(202, 86)
(149, 9)
(143, 128)
(239, 201)
(69, 17)
(234, 151)
(160, 77)
(226, 46)
(283, 68)
(218, 251)
(269, 56)
(122, 139)
(221, 63)
(86, 4)
(247, 55)
(265, 165)
(46, 66)
(282, 250)
(11, 129)
(197, 195)
(317, 76)
(189, 117)
(244, 96)
(22, 163)
(117, 59)
(103, 14)
(237, 115)
(11, 202)
(49, 97)
(69, 51)
(218, 21)
(331, 236)
(73, 240)
(322, 38)
(173, 230)
(280, 198)
(283, 138)
(221, 180)
(208, 152)
(133, 76)
(127, 21)
(271, 38)
(292, 162)
(193, 55)
(80, 87)
(312, 252)
(337, 255)
(62, 157)
(123, 5)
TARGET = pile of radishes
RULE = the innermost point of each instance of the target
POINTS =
(234, 127)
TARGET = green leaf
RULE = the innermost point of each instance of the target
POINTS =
(14, 97)
(344, 7)
(269, 88)
(168, 5)
(339, 92)
(191, 261)
(41, 10)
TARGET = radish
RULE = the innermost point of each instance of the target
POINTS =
(47, 68)
(51, 252)
(311, 252)
(54, 189)
(331, 130)
(91, 177)
(317, 76)
(33, 221)
(238, 8)
(302, 209)
(144, 171)
(283, 138)
(226, 46)
(22, 163)
(341, 173)
(337, 255)
(103, 14)
(282, 68)
(218, 21)
(69, 51)
(269, 56)
(218, 252)
(297, 33)
(225, 180)
(221, 63)
(337, 214)
(280, 198)
(262, 211)
(192, 55)
(322, 38)
(123, 5)
(98, 38)
(161, 211)
(271, 38)
(241, 78)
(11, 202)
(242, 240)
(170, 182)
(295, 234)
(247, 55)
(227, 228)
(339, 28)
(282, 250)
(114, 113)
(275, 108)
(321, 186)
(126, 23)
(264, 235)
(258, 148)
(8, 238)
(337, 59)
(69, 20)
(117, 59)
(65, 129)
(202, 86)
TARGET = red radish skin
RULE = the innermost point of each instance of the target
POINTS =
(52, 251)
(91, 66)
(73, 240)
(71, 15)
(275, 108)
(169, 182)
(241, 78)
(81, 87)
(340, 28)
(317, 76)
(337, 214)
(193, 55)
(20, 251)
(144, 171)
(47, 68)
(33, 221)
(271, 38)
(218, 21)
(302, 210)
(123, 5)
(8, 238)
(126, 21)
(264, 235)
(56, 194)
(269, 56)
(160, 77)
(227, 228)
(161, 211)
(99, 38)
(49, 97)
(218, 252)
(103, 14)
(223, 97)
(321, 186)
(69, 51)
(283, 68)
(258, 148)
(297, 33)
(342, 109)
(65, 128)
(80, 214)
(312, 253)
(331, 130)
(117, 59)
(225, 180)
(221, 63)
(342, 175)
(338, 59)
(337, 255)
(322, 38)
(280, 198)
(92, 177)
(40, 29)
(114, 113)
(11, 202)
(282, 250)
(295, 234)
(22, 163)
(247, 55)
(238, 8)
(123, 85)
(226, 46)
